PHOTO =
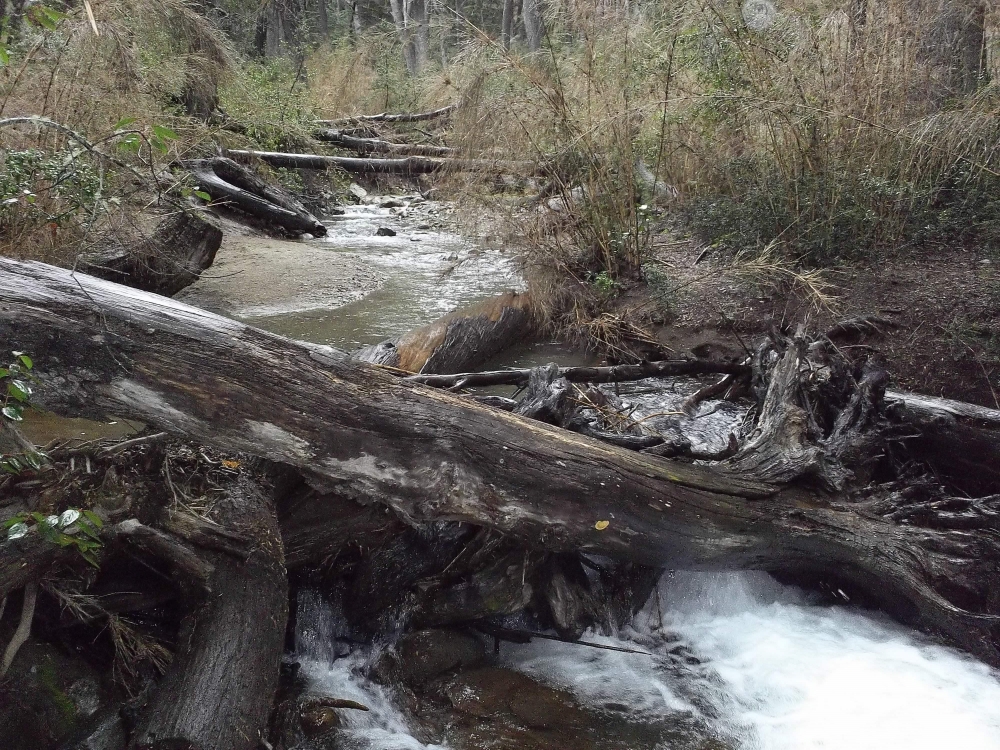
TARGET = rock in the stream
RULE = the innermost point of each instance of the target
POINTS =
(356, 191)
(494, 692)
(391, 203)
(385, 232)
(425, 654)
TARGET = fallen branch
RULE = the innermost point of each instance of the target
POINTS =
(612, 374)
(411, 165)
(23, 627)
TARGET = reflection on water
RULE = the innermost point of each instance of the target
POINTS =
(42, 427)
(427, 273)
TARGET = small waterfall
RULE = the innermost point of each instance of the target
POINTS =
(766, 668)
(334, 670)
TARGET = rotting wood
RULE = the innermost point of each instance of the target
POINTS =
(171, 258)
(431, 455)
(232, 184)
(461, 339)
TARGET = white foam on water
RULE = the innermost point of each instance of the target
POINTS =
(383, 726)
(778, 672)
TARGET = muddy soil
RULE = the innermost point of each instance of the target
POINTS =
(943, 311)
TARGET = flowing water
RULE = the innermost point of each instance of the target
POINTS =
(749, 663)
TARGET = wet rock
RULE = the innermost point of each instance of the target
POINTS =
(385, 232)
(356, 191)
(391, 203)
(318, 720)
(426, 654)
(496, 692)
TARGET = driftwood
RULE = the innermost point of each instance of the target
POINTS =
(461, 339)
(410, 165)
(233, 185)
(612, 374)
(171, 258)
(379, 146)
(387, 117)
(430, 455)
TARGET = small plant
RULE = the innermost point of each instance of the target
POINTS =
(79, 529)
(604, 283)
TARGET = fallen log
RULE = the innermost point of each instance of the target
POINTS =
(386, 117)
(171, 258)
(379, 146)
(612, 374)
(103, 348)
(410, 165)
(461, 339)
(231, 184)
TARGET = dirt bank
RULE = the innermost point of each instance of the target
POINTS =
(941, 307)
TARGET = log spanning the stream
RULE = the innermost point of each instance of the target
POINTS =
(410, 165)
(379, 146)
(429, 455)
(387, 117)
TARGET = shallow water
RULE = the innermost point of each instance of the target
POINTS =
(425, 274)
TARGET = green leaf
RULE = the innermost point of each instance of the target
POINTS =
(19, 390)
(13, 413)
(26, 361)
(165, 133)
(203, 195)
(158, 145)
(124, 122)
(4, 372)
(131, 143)
(93, 518)
(4, 55)
(19, 518)
(90, 557)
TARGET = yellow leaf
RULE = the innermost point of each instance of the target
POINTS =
(230, 464)
(602, 525)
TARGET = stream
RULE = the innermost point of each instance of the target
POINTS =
(733, 660)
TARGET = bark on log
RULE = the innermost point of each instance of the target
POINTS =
(386, 117)
(461, 339)
(379, 146)
(431, 456)
(170, 259)
(411, 165)
(218, 691)
(229, 183)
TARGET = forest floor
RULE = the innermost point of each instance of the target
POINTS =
(941, 305)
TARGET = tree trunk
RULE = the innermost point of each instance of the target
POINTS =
(218, 691)
(400, 10)
(534, 26)
(322, 20)
(170, 259)
(506, 31)
(103, 348)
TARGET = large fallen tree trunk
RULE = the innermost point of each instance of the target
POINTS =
(231, 184)
(103, 348)
(379, 146)
(411, 165)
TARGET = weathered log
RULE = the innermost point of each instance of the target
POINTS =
(461, 339)
(171, 258)
(218, 690)
(231, 184)
(386, 117)
(431, 456)
(379, 146)
(410, 165)
(613, 374)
